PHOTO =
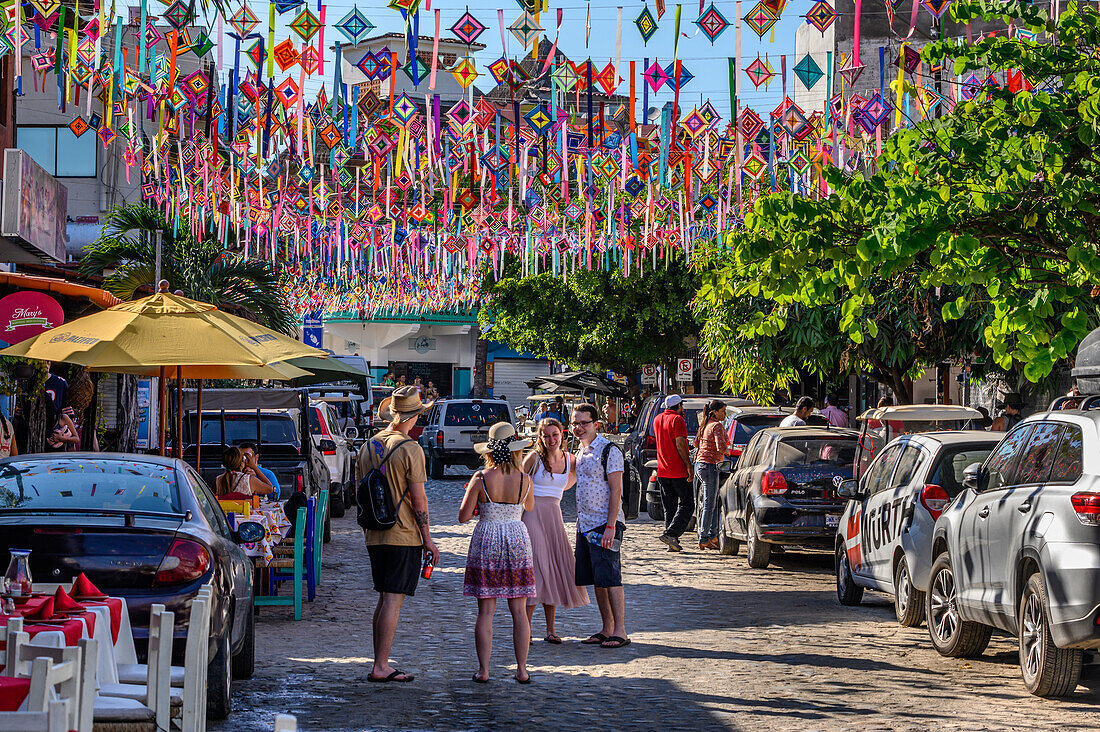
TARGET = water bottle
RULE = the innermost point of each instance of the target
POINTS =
(595, 537)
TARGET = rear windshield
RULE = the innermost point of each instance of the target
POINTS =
(953, 461)
(815, 452)
(749, 424)
(274, 428)
(89, 484)
(468, 414)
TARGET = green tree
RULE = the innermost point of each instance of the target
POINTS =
(991, 212)
(200, 269)
(595, 318)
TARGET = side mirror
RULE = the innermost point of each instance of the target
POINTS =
(726, 466)
(326, 446)
(974, 477)
(249, 531)
(849, 489)
(351, 433)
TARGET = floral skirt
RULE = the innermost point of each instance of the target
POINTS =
(499, 562)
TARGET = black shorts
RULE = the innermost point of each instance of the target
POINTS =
(596, 565)
(395, 569)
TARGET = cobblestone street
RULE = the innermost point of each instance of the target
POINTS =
(715, 645)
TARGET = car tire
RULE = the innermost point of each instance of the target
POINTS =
(656, 511)
(326, 536)
(219, 681)
(1047, 669)
(847, 591)
(244, 660)
(336, 507)
(727, 545)
(436, 467)
(633, 504)
(951, 635)
(759, 552)
(908, 600)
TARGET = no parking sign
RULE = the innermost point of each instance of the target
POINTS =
(684, 369)
(649, 374)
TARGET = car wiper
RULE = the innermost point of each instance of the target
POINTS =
(127, 514)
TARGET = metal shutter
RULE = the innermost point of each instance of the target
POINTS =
(509, 375)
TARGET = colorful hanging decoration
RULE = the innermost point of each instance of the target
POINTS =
(808, 72)
(761, 18)
(822, 15)
(712, 23)
(936, 7)
(525, 28)
(354, 26)
(468, 28)
(646, 23)
(759, 72)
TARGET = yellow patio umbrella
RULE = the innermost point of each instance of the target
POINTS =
(166, 333)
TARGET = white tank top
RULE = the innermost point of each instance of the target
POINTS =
(550, 485)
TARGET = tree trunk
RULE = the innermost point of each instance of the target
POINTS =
(37, 429)
(902, 387)
(481, 364)
(128, 413)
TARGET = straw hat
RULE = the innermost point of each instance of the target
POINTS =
(501, 434)
(404, 403)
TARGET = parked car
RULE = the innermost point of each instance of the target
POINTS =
(1019, 550)
(885, 537)
(142, 527)
(640, 447)
(745, 421)
(378, 395)
(783, 492)
(352, 404)
(452, 428)
(337, 451)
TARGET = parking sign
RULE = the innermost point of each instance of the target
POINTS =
(684, 369)
(649, 374)
(708, 369)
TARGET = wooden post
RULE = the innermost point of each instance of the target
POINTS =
(198, 438)
(179, 412)
(162, 391)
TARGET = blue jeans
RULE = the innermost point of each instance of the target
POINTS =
(708, 514)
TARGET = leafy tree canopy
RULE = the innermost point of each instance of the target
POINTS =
(595, 318)
(989, 213)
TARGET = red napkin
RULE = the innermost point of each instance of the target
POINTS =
(42, 612)
(63, 603)
(83, 587)
(235, 496)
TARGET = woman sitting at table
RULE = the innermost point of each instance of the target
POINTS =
(239, 480)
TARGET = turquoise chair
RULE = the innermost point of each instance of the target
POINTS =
(297, 563)
(319, 535)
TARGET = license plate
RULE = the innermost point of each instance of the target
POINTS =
(832, 520)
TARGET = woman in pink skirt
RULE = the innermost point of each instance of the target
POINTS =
(553, 471)
(498, 563)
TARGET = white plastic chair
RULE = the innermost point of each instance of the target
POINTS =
(286, 723)
(54, 719)
(56, 673)
(155, 693)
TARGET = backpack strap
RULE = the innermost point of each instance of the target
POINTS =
(603, 458)
(387, 457)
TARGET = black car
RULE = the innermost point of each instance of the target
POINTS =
(783, 492)
(640, 447)
(142, 527)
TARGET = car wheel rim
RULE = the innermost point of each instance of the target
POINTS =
(945, 617)
(902, 589)
(842, 572)
(1032, 636)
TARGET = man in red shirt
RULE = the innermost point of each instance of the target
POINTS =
(674, 471)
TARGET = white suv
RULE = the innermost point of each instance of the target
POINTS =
(337, 452)
(454, 426)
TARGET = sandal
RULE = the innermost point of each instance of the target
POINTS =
(524, 681)
(618, 642)
(594, 639)
(479, 680)
(553, 639)
(392, 677)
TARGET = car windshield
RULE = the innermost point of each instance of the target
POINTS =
(274, 429)
(821, 452)
(475, 414)
(749, 424)
(89, 484)
(953, 461)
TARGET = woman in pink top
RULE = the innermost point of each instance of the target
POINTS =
(711, 442)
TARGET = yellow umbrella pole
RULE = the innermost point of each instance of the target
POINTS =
(179, 412)
(162, 406)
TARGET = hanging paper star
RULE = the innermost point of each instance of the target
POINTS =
(821, 15)
(243, 21)
(306, 25)
(759, 72)
(468, 28)
(761, 18)
(525, 28)
(712, 23)
(647, 25)
(355, 26)
(808, 72)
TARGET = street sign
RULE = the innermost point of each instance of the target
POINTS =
(708, 369)
(649, 375)
(684, 369)
(313, 330)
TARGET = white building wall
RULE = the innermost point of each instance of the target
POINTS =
(808, 39)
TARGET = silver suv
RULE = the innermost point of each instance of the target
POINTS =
(1019, 550)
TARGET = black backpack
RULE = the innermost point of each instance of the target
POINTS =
(373, 498)
(606, 452)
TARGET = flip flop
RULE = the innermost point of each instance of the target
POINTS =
(524, 681)
(553, 639)
(392, 677)
(618, 641)
(594, 639)
(480, 681)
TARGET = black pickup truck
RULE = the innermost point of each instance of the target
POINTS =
(268, 417)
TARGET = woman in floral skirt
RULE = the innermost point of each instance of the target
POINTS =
(499, 563)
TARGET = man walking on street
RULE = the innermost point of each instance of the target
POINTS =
(832, 412)
(396, 553)
(674, 471)
(600, 516)
(802, 411)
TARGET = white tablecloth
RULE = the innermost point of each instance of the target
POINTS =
(110, 654)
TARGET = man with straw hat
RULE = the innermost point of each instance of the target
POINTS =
(396, 553)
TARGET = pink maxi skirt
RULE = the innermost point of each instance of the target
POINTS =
(554, 561)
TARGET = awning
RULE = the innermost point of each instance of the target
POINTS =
(102, 298)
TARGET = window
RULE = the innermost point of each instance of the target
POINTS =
(907, 465)
(475, 414)
(953, 463)
(878, 474)
(59, 151)
(752, 450)
(749, 424)
(1036, 460)
(1002, 462)
(272, 428)
(208, 504)
(815, 452)
(1067, 458)
(78, 484)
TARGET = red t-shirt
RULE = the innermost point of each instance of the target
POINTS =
(667, 427)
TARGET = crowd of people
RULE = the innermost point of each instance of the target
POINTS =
(426, 391)
(519, 551)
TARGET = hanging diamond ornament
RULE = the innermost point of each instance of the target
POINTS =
(821, 15)
(647, 24)
(712, 23)
(468, 28)
(355, 26)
